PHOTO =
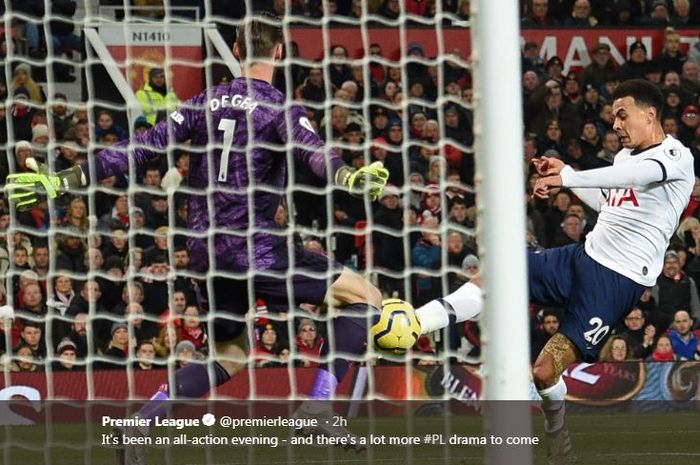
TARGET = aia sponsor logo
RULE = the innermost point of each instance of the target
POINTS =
(618, 197)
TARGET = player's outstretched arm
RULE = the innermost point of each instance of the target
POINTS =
(611, 177)
(309, 148)
(619, 176)
(24, 189)
(115, 159)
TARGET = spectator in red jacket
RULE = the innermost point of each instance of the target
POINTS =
(663, 351)
(193, 328)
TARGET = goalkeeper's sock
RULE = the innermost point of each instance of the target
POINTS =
(350, 333)
(553, 406)
(191, 381)
(463, 304)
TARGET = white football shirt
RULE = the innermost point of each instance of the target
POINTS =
(640, 199)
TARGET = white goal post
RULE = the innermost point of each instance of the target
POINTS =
(498, 131)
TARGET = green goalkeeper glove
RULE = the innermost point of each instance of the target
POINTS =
(372, 177)
(25, 188)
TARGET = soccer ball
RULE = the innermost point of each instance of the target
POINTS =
(397, 329)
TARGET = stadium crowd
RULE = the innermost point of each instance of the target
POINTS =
(119, 285)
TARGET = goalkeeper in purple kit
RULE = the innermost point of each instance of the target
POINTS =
(238, 122)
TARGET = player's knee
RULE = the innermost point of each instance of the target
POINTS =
(374, 296)
(543, 374)
(365, 292)
(352, 288)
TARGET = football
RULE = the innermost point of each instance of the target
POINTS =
(397, 329)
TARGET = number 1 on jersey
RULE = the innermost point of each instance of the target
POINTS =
(228, 126)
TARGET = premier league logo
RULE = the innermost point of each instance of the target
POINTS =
(673, 154)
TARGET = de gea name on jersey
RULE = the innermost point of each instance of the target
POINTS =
(233, 101)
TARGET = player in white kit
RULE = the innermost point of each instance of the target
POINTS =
(640, 199)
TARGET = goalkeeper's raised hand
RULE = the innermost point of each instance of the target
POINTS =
(24, 189)
(372, 178)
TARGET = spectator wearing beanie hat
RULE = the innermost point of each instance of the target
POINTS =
(59, 114)
(555, 68)
(470, 269)
(186, 353)
(67, 353)
(118, 349)
(470, 265)
(22, 77)
(40, 135)
(23, 150)
(636, 65)
(141, 125)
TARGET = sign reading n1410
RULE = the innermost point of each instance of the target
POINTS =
(143, 36)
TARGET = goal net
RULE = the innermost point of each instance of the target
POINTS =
(108, 295)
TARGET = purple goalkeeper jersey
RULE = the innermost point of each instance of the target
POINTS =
(247, 137)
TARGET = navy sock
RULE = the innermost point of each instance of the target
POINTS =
(451, 315)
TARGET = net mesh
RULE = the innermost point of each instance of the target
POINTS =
(103, 271)
(90, 82)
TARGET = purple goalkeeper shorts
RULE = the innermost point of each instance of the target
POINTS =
(279, 287)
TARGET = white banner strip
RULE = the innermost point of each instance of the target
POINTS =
(151, 34)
